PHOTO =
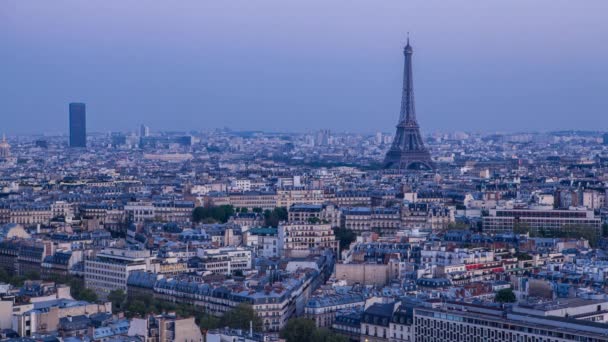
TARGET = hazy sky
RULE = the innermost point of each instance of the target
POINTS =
(300, 65)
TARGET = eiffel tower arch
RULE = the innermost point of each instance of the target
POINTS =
(408, 151)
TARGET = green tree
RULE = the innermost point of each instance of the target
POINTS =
(32, 275)
(326, 335)
(523, 256)
(136, 307)
(458, 226)
(240, 316)
(505, 296)
(4, 276)
(118, 299)
(521, 228)
(313, 220)
(274, 216)
(216, 213)
(208, 322)
(298, 330)
(88, 295)
(345, 236)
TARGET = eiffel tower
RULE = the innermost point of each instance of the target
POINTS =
(408, 151)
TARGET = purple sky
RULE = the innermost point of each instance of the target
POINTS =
(303, 65)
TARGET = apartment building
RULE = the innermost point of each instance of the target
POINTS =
(110, 269)
(253, 199)
(537, 221)
(225, 260)
(326, 213)
(300, 239)
(464, 322)
(288, 197)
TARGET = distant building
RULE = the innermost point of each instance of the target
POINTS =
(118, 139)
(78, 125)
(40, 143)
(605, 138)
(538, 221)
(5, 148)
(144, 131)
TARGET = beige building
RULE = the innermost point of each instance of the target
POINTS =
(43, 317)
(323, 213)
(288, 197)
(300, 239)
(366, 274)
(225, 260)
(253, 199)
(31, 215)
(165, 328)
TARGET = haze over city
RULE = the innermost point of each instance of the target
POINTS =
(303, 65)
(303, 171)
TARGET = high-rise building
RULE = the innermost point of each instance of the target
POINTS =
(5, 148)
(605, 138)
(408, 151)
(78, 125)
(144, 131)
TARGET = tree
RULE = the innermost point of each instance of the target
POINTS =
(458, 226)
(4, 276)
(326, 335)
(274, 216)
(505, 296)
(32, 275)
(136, 307)
(570, 231)
(345, 236)
(313, 220)
(523, 256)
(240, 316)
(118, 299)
(88, 295)
(298, 330)
(216, 213)
(208, 322)
(521, 228)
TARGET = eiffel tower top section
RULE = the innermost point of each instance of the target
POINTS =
(408, 109)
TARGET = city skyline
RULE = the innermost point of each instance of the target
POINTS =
(174, 74)
(303, 171)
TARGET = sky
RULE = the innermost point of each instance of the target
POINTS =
(303, 65)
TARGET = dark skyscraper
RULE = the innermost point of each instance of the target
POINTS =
(408, 151)
(78, 125)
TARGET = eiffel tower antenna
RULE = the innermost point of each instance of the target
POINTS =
(408, 151)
